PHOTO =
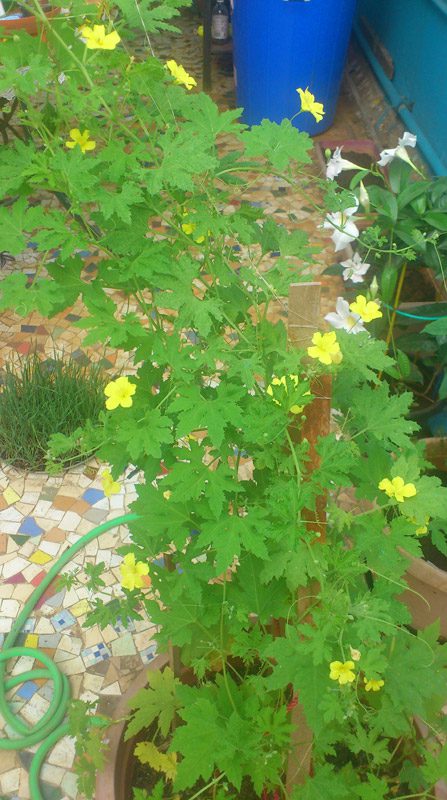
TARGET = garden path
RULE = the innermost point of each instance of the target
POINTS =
(40, 515)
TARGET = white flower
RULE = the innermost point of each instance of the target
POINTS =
(344, 229)
(407, 140)
(344, 318)
(61, 78)
(337, 164)
(354, 269)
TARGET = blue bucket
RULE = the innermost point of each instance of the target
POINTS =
(280, 45)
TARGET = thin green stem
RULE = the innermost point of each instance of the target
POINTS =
(208, 786)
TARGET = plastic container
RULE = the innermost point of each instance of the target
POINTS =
(280, 45)
(406, 43)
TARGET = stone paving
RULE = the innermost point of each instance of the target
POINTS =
(41, 515)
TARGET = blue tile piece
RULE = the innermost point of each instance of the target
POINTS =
(62, 620)
(30, 527)
(123, 627)
(84, 253)
(94, 654)
(27, 690)
(148, 654)
(93, 496)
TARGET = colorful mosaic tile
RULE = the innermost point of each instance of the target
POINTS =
(93, 655)
(63, 620)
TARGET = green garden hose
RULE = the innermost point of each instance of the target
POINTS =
(52, 726)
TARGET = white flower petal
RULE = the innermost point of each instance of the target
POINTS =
(408, 140)
(386, 156)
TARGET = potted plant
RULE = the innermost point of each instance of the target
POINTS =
(22, 17)
(281, 604)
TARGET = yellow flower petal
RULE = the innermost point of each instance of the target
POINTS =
(96, 38)
(308, 103)
(366, 309)
(108, 484)
(397, 489)
(180, 75)
(119, 393)
(325, 348)
(372, 685)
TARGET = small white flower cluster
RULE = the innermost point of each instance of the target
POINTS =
(342, 223)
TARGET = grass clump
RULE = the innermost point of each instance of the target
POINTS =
(41, 398)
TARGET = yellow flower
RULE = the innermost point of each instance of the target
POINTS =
(119, 393)
(294, 409)
(372, 685)
(200, 30)
(342, 672)
(422, 529)
(133, 572)
(179, 73)
(80, 139)
(167, 494)
(326, 348)
(108, 484)
(367, 310)
(96, 38)
(309, 104)
(189, 228)
(397, 488)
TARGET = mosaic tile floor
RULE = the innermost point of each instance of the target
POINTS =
(41, 515)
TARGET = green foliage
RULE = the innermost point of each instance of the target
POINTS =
(41, 398)
(158, 701)
(90, 747)
(185, 283)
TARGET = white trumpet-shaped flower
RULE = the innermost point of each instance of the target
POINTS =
(343, 227)
(407, 140)
(337, 164)
(344, 318)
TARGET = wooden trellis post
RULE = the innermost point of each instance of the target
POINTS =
(303, 322)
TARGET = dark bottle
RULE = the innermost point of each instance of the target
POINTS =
(220, 22)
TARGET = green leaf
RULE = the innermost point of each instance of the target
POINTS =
(145, 436)
(204, 113)
(152, 16)
(184, 158)
(156, 794)
(281, 144)
(382, 415)
(438, 220)
(12, 226)
(157, 702)
(120, 202)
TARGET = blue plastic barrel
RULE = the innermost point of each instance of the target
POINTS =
(280, 45)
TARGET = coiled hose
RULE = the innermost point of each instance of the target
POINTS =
(52, 726)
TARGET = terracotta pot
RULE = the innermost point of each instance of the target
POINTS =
(114, 782)
(426, 599)
(31, 24)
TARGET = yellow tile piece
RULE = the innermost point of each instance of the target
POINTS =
(39, 557)
(32, 640)
(10, 496)
(80, 608)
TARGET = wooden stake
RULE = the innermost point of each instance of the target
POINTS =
(303, 322)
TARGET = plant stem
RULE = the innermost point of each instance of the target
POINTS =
(396, 301)
(208, 786)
